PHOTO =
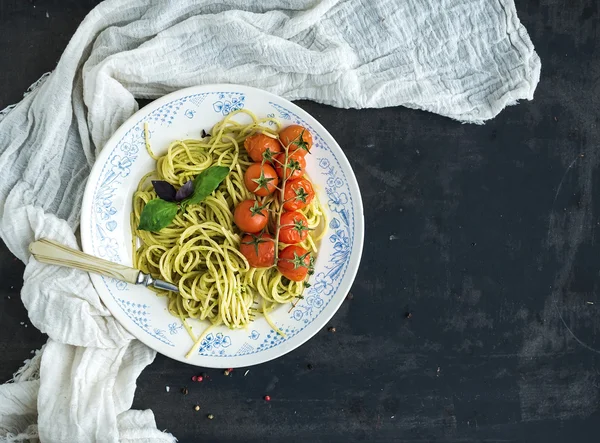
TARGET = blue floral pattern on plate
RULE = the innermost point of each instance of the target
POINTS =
(175, 327)
(140, 314)
(229, 102)
(214, 344)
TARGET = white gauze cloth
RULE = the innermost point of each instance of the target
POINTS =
(465, 59)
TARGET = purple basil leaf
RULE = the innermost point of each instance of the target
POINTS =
(164, 190)
(185, 191)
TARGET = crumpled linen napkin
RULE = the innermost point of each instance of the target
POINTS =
(465, 59)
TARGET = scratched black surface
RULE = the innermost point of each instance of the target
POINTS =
(487, 234)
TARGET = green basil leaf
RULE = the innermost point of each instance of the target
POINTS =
(206, 182)
(157, 214)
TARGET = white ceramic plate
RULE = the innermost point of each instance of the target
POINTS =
(105, 228)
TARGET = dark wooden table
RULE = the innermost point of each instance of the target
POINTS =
(488, 235)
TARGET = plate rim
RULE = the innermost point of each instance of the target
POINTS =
(85, 222)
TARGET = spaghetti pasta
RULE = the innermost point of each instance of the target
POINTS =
(200, 250)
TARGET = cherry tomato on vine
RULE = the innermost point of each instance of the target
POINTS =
(297, 138)
(294, 263)
(296, 165)
(297, 194)
(250, 216)
(261, 179)
(293, 228)
(257, 144)
(259, 250)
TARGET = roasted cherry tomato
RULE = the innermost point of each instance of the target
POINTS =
(259, 250)
(296, 165)
(250, 216)
(261, 179)
(257, 144)
(294, 263)
(298, 138)
(297, 194)
(293, 228)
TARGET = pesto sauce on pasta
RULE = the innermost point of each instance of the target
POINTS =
(199, 250)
